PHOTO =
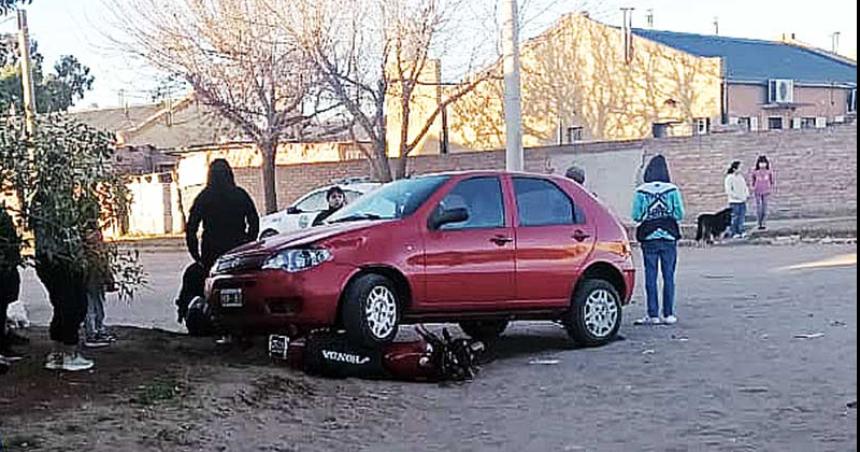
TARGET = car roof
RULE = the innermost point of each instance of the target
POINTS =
(364, 186)
(468, 173)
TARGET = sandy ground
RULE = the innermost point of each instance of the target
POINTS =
(733, 375)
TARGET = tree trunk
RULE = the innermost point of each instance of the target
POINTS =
(380, 162)
(402, 167)
(270, 195)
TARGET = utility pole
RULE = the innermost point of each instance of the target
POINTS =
(513, 107)
(26, 74)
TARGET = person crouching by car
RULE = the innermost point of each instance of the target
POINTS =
(336, 200)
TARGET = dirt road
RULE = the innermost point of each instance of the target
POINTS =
(764, 359)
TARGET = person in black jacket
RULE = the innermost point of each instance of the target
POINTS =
(227, 213)
(336, 200)
(10, 280)
(229, 220)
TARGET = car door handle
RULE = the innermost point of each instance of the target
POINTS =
(501, 240)
(580, 236)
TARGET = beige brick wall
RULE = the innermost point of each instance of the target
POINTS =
(816, 170)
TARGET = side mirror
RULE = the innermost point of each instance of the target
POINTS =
(448, 216)
(293, 211)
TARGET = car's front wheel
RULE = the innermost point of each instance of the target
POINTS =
(595, 313)
(484, 330)
(371, 310)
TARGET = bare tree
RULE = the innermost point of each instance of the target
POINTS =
(235, 58)
(379, 60)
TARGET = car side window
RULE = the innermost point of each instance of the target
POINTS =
(542, 203)
(482, 198)
(316, 202)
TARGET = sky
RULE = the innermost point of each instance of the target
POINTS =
(82, 27)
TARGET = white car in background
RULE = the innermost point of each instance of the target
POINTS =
(302, 213)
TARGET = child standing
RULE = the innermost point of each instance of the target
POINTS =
(98, 281)
(762, 183)
(738, 193)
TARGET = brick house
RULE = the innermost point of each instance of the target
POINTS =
(771, 85)
(583, 80)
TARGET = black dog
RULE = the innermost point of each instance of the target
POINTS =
(713, 225)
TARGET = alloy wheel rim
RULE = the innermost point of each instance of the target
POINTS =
(601, 313)
(381, 311)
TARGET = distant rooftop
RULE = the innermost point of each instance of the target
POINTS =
(750, 60)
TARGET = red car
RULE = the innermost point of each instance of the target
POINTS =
(480, 248)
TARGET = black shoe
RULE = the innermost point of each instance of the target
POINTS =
(16, 339)
(11, 355)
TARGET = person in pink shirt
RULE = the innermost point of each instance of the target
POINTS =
(762, 184)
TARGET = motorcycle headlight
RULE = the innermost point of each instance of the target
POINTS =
(294, 261)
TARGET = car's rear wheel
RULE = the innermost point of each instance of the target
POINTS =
(371, 310)
(484, 330)
(595, 313)
(268, 233)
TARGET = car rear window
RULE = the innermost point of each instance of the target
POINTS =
(542, 203)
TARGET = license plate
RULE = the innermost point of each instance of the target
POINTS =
(231, 298)
(278, 346)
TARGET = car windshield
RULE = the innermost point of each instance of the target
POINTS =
(392, 201)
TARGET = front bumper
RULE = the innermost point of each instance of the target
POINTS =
(275, 301)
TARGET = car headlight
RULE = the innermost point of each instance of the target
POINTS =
(297, 260)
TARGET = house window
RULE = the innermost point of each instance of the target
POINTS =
(660, 130)
(745, 123)
(702, 126)
(574, 135)
(774, 123)
(852, 101)
(807, 123)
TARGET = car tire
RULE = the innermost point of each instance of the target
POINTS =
(371, 310)
(594, 317)
(268, 233)
(484, 330)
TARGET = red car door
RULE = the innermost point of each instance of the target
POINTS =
(554, 239)
(470, 265)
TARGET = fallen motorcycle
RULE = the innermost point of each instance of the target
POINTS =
(432, 358)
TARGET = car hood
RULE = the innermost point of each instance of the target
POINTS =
(302, 237)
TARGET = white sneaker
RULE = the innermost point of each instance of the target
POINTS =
(74, 362)
(671, 320)
(54, 361)
(648, 321)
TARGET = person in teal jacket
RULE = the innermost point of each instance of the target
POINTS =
(658, 209)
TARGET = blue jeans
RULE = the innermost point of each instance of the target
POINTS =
(662, 253)
(761, 201)
(739, 214)
(94, 321)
